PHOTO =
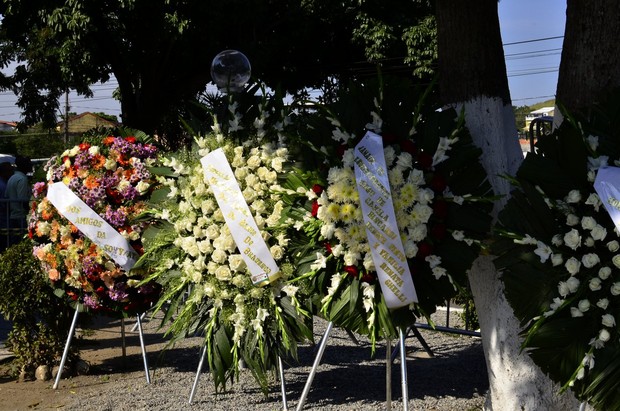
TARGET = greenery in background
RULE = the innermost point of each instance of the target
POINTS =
(150, 46)
(40, 320)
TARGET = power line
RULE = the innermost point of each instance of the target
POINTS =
(528, 72)
(533, 40)
(532, 98)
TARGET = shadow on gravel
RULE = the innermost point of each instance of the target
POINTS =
(349, 374)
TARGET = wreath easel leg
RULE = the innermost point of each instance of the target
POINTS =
(67, 345)
(198, 372)
(403, 369)
(144, 359)
(317, 361)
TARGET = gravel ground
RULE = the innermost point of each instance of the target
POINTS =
(348, 378)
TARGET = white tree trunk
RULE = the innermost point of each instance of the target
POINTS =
(492, 126)
(515, 382)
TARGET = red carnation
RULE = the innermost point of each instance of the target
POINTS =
(328, 247)
(438, 183)
(369, 277)
(351, 270)
(425, 160)
(130, 139)
(438, 231)
(318, 189)
(389, 138)
(84, 146)
(424, 250)
(315, 208)
(440, 209)
(408, 146)
(341, 149)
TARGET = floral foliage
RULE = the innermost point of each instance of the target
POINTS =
(441, 214)
(203, 274)
(111, 175)
(559, 253)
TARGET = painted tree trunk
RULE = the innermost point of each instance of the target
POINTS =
(473, 77)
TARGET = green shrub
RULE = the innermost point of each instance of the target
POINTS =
(40, 320)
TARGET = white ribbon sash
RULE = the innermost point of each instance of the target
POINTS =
(218, 174)
(607, 186)
(70, 206)
(387, 249)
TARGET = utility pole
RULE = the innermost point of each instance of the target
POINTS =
(67, 117)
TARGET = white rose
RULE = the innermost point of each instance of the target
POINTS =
(589, 242)
(563, 288)
(572, 220)
(236, 262)
(599, 232)
(212, 232)
(588, 223)
(590, 260)
(583, 305)
(277, 252)
(142, 187)
(602, 303)
(219, 256)
(277, 164)
(573, 284)
(241, 173)
(613, 246)
(557, 240)
(572, 239)
(594, 201)
(608, 320)
(575, 312)
(604, 273)
(572, 265)
(616, 260)
(615, 289)
(574, 196)
(556, 259)
(223, 273)
(253, 162)
(238, 281)
(604, 335)
(595, 284)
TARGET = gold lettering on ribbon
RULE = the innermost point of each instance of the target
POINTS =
(614, 202)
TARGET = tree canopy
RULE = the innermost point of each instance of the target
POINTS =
(160, 51)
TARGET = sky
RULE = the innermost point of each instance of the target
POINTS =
(532, 34)
(532, 64)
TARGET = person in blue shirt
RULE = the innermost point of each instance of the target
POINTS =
(6, 171)
(18, 191)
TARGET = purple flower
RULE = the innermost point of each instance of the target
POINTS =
(117, 293)
(91, 301)
(89, 265)
(116, 218)
(130, 193)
